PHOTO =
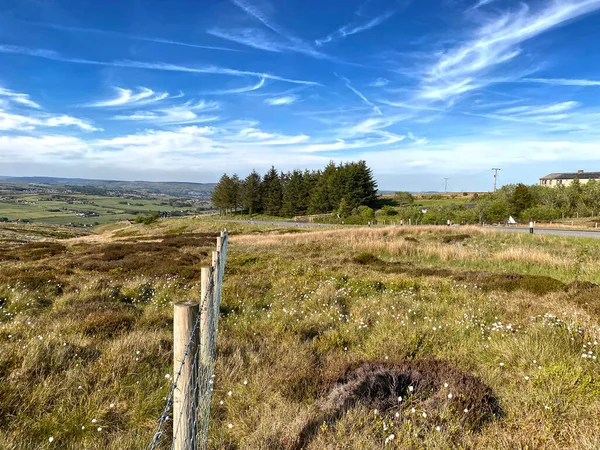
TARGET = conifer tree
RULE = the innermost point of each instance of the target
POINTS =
(292, 195)
(234, 193)
(319, 198)
(251, 193)
(219, 194)
(272, 193)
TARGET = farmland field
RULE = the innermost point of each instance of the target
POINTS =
(341, 338)
(61, 206)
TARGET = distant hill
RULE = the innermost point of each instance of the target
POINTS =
(180, 189)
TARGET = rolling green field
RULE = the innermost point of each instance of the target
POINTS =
(84, 209)
(336, 338)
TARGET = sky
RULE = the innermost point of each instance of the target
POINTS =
(186, 90)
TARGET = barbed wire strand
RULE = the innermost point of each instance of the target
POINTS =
(204, 382)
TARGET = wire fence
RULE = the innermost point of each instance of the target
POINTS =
(183, 424)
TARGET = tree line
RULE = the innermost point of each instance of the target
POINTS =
(517, 200)
(341, 189)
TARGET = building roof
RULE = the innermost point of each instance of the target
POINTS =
(572, 175)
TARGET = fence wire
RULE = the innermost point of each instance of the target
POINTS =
(194, 388)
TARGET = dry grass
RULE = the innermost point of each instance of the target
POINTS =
(309, 320)
(466, 246)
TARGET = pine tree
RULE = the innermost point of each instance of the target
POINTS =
(234, 193)
(251, 193)
(298, 193)
(336, 183)
(292, 195)
(319, 199)
(309, 181)
(366, 187)
(272, 193)
(219, 195)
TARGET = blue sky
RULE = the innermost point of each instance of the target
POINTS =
(187, 90)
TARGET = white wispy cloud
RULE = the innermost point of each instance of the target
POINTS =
(480, 3)
(181, 114)
(360, 95)
(251, 37)
(13, 117)
(255, 136)
(417, 140)
(131, 36)
(561, 81)
(276, 39)
(17, 97)
(214, 147)
(494, 42)
(278, 101)
(380, 82)
(474, 154)
(372, 125)
(52, 55)
(126, 97)
(240, 90)
(342, 144)
(528, 110)
(260, 15)
(268, 41)
(355, 28)
(201, 147)
(20, 122)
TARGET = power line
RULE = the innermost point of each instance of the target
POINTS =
(495, 169)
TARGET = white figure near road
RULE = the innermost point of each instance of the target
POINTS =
(531, 225)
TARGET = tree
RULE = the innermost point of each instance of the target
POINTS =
(404, 198)
(292, 195)
(365, 212)
(521, 199)
(361, 188)
(335, 178)
(497, 211)
(297, 193)
(344, 209)
(319, 199)
(388, 210)
(234, 193)
(219, 195)
(272, 193)
(251, 193)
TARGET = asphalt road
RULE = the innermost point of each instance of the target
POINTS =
(549, 231)
(571, 233)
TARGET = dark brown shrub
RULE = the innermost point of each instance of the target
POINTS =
(454, 238)
(366, 259)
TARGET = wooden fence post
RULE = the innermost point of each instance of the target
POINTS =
(216, 257)
(185, 396)
(206, 321)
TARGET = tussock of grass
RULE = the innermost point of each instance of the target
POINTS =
(431, 385)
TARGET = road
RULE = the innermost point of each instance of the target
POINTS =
(547, 231)
(554, 232)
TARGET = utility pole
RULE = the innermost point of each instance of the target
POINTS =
(495, 176)
(446, 185)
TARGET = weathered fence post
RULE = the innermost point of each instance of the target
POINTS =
(206, 320)
(195, 327)
(216, 256)
(185, 396)
(207, 342)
